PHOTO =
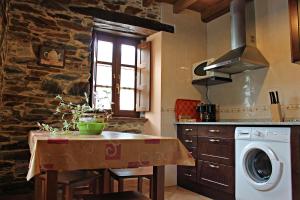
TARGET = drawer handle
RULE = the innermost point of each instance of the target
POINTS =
(214, 131)
(214, 140)
(222, 184)
(188, 141)
(188, 175)
(214, 166)
(188, 130)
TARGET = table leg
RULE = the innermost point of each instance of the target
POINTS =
(158, 183)
(38, 187)
(51, 185)
(101, 183)
(106, 182)
(140, 184)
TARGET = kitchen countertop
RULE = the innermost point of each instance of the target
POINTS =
(239, 123)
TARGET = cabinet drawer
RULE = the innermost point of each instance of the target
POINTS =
(219, 150)
(188, 136)
(216, 131)
(187, 173)
(190, 130)
(189, 141)
(218, 176)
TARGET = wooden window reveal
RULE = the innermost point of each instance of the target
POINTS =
(143, 94)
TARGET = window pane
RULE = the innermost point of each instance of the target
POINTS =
(127, 54)
(127, 77)
(127, 99)
(103, 98)
(104, 75)
(105, 51)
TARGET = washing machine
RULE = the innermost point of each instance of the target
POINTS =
(263, 163)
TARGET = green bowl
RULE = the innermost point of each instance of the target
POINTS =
(90, 128)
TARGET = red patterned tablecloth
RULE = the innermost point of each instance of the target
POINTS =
(108, 150)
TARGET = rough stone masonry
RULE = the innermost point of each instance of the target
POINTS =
(27, 89)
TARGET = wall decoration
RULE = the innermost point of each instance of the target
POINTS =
(51, 56)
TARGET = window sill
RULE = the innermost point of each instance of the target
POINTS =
(128, 119)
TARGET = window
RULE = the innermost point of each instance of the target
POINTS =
(117, 75)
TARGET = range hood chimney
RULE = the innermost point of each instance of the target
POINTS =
(244, 54)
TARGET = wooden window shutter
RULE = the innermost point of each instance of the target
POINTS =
(92, 79)
(143, 92)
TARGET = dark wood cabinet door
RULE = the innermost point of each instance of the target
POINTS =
(187, 174)
(190, 130)
(295, 154)
(218, 150)
(216, 131)
(294, 30)
(213, 148)
(218, 176)
(188, 136)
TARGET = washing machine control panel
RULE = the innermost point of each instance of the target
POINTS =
(259, 133)
(243, 132)
(278, 134)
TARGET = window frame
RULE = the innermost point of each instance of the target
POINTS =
(117, 41)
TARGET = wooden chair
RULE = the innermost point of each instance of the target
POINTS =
(71, 183)
(139, 173)
(128, 195)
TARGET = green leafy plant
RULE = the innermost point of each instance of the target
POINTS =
(71, 114)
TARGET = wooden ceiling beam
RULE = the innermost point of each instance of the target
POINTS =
(122, 18)
(147, 3)
(180, 5)
(215, 11)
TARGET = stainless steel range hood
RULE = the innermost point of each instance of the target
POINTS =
(244, 54)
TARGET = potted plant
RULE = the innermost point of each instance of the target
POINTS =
(78, 117)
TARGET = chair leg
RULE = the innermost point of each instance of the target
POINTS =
(120, 185)
(38, 189)
(140, 184)
(151, 188)
(67, 192)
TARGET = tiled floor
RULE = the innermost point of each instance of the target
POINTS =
(178, 193)
(171, 193)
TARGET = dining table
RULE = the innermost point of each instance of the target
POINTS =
(53, 153)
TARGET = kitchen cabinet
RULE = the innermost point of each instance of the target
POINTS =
(213, 148)
(295, 154)
(294, 30)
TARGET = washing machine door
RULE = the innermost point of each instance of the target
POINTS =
(261, 167)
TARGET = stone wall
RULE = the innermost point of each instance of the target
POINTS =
(3, 33)
(28, 88)
(131, 7)
(129, 125)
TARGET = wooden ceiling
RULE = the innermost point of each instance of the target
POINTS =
(209, 9)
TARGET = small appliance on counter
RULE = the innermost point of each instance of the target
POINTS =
(207, 112)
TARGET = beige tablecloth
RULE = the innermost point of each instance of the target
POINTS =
(108, 150)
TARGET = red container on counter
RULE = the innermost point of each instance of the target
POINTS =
(186, 109)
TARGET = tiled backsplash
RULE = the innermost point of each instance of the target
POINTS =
(256, 113)
(290, 112)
